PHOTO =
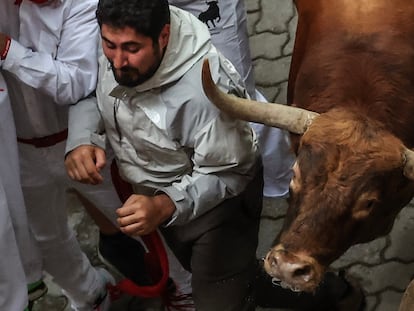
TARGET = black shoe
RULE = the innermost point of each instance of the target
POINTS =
(335, 293)
(35, 291)
(354, 298)
(125, 255)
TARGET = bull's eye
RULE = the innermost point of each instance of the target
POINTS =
(363, 209)
(370, 205)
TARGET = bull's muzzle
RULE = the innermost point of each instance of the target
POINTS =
(298, 272)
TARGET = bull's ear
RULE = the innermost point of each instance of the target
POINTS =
(408, 163)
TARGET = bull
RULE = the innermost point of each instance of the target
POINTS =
(350, 113)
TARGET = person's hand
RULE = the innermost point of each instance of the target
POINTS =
(84, 163)
(141, 215)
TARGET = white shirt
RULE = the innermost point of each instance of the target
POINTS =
(52, 63)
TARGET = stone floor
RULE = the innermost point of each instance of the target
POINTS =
(383, 267)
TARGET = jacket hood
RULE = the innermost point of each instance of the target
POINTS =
(189, 41)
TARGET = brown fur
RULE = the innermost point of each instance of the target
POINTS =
(353, 62)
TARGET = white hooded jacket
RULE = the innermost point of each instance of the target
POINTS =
(166, 134)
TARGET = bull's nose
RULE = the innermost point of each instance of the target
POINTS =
(290, 268)
(303, 271)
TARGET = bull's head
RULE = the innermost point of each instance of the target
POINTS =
(348, 175)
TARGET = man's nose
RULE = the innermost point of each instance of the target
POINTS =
(119, 60)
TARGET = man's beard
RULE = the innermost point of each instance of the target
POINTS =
(131, 76)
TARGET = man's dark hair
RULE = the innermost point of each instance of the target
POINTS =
(146, 17)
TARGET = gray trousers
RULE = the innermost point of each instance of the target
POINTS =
(219, 248)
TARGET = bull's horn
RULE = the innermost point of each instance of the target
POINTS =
(409, 164)
(293, 119)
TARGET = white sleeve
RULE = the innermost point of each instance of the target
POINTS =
(224, 160)
(72, 73)
(85, 125)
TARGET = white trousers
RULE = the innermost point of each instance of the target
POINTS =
(277, 156)
(15, 238)
(45, 185)
(229, 33)
(13, 288)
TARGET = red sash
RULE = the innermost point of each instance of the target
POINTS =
(156, 260)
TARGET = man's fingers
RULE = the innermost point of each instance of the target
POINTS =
(73, 171)
(84, 164)
(133, 229)
(100, 158)
(89, 174)
(130, 206)
(128, 219)
(71, 174)
(94, 176)
(83, 170)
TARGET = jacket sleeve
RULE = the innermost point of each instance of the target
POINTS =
(225, 160)
(85, 126)
(69, 75)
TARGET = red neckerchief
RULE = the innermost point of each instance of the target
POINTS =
(156, 259)
(4, 52)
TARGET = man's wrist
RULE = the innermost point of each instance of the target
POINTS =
(167, 206)
(4, 47)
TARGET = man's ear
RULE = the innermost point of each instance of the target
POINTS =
(164, 36)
